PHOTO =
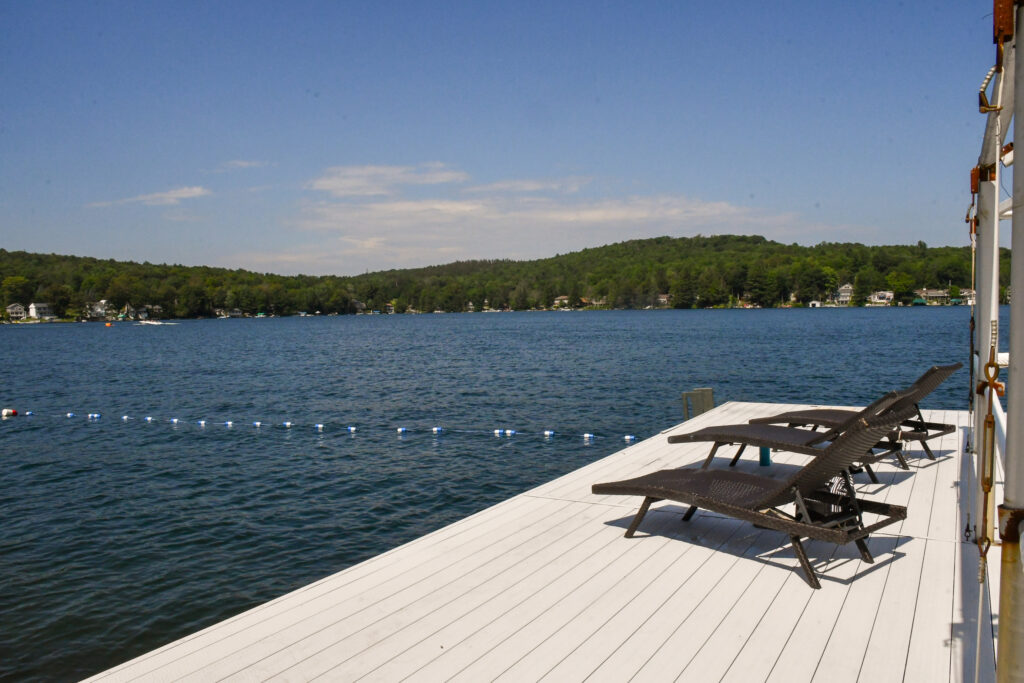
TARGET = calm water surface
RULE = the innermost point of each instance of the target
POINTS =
(121, 536)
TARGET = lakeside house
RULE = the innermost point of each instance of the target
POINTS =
(880, 298)
(933, 296)
(40, 311)
(99, 310)
(225, 313)
(845, 294)
(16, 312)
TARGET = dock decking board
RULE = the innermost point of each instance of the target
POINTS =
(544, 586)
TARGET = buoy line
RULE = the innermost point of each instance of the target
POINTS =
(320, 427)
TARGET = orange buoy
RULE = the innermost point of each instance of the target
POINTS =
(110, 324)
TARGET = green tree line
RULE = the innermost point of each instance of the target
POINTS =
(698, 272)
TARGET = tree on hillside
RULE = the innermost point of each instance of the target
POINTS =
(902, 286)
(17, 289)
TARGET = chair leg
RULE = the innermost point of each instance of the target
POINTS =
(927, 450)
(805, 564)
(711, 456)
(902, 460)
(737, 456)
(639, 515)
(871, 474)
(865, 554)
(689, 513)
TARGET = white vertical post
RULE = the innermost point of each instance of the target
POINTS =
(1010, 658)
(986, 308)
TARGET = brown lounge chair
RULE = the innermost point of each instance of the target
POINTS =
(914, 428)
(825, 504)
(804, 441)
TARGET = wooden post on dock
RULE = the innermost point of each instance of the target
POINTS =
(698, 401)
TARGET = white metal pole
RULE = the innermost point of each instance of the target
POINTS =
(987, 296)
(1010, 658)
(986, 309)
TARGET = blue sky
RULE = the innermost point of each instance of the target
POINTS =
(344, 137)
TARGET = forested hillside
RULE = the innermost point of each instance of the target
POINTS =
(697, 272)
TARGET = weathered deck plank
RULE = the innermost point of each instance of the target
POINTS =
(544, 586)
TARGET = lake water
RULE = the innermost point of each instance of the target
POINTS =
(119, 536)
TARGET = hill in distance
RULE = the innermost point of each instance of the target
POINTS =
(687, 272)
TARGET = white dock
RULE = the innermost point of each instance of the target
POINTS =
(545, 587)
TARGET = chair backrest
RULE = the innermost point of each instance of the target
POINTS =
(931, 379)
(875, 407)
(922, 386)
(865, 430)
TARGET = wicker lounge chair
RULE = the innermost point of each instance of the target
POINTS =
(825, 505)
(806, 441)
(914, 428)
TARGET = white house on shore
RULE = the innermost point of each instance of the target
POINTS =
(880, 298)
(16, 311)
(845, 295)
(40, 311)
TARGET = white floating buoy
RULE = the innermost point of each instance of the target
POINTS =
(401, 430)
(318, 427)
(549, 433)
(149, 419)
(29, 413)
(125, 418)
(257, 424)
(71, 414)
(201, 423)
(352, 430)
(499, 432)
(174, 420)
(510, 432)
(588, 436)
(629, 437)
(437, 430)
(228, 423)
(10, 412)
(287, 424)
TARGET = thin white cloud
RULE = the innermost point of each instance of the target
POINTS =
(408, 233)
(526, 213)
(368, 223)
(369, 181)
(168, 198)
(562, 185)
(240, 164)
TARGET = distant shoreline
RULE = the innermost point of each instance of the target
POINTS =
(537, 310)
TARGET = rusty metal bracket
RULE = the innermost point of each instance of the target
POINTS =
(1000, 388)
(1009, 523)
(1002, 21)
